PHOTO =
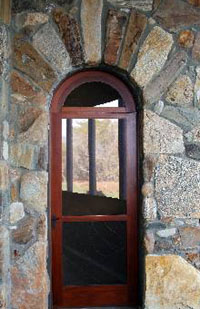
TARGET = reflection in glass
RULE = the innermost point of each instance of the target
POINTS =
(94, 253)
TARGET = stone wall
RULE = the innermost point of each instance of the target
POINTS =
(155, 47)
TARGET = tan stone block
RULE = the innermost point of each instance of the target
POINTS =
(186, 38)
(24, 155)
(5, 11)
(4, 176)
(190, 237)
(116, 22)
(16, 212)
(31, 19)
(181, 92)
(41, 228)
(147, 189)
(171, 282)
(33, 190)
(197, 85)
(144, 5)
(4, 251)
(174, 15)
(196, 48)
(91, 18)
(25, 231)
(37, 133)
(158, 42)
(28, 61)
(25, 90)
(136, 25)
(3, 297)
(30, 282)
(26, 116)
(149, 242)
(149, 208)
(14, 194)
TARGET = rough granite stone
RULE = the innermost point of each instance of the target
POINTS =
(166, 233)
(30, 19)
(91, 17)
(193, 258)
(5, 150)
(177, 187)
(147, 189)
(26, 117)
(197, 86)
(136, 25)
(24, 155)
(149, 209)
(175, 15)
(4, 176)
(158, 107)
(28, 61)
(4, 255)
(16, 212)
(148, 167)
(186, 38)
(37, 133)
(42, 227)
(33, 190)
(158, 42)
(149, 241)
(186, 118)
(23, 90)
(181, 91)
(3, 49)
(55, 53)
(29, 279)
(193, 136)
(160, 135)
(70, 34)
(190, 237)
(172, 283)
(24, 231)
(144, 5)
(116, 22)
(158, 86)
(196, 48)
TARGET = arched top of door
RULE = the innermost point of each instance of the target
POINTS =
(79, 79)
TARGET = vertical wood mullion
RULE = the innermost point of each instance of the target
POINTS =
(122, 158)
(92, 155)
(69, 143)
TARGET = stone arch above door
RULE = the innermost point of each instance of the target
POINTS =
(147, 47)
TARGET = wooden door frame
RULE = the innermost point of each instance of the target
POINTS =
(128, 112)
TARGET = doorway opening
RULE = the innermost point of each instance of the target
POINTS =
(94, 192)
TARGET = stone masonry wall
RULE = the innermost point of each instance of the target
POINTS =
(155, 47)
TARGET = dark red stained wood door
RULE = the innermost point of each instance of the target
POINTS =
(96, 294)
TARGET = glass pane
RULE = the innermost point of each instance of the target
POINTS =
(94, 253)
(93, 167)
(94, 94)
(107, 158)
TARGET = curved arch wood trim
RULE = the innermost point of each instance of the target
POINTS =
(68, 85)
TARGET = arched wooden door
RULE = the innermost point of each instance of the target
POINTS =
(94, 234)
